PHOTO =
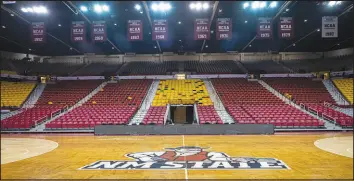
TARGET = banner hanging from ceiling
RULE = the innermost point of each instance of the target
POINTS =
(78, 31)
(135, 30)
(38, 32)
(99, 32)
(264, 28)
(286, 28)
(223, 28)
(201, 29)
(329, 27)
(159, 30)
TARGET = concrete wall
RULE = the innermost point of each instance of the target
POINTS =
(114, 59)
(337, 53)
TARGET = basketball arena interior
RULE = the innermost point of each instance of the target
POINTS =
(176, 90)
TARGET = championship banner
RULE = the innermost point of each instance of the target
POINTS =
(201, 29)
(99, 31)
(135, 30)
(264, 28)
(159, 30)
(329, 27)
(78, 31)
(223, 28)
(286, 27)
(38, 32)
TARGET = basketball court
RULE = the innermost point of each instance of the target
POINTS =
(85, 156)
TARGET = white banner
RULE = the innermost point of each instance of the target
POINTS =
(329, 27)
(82, 78)
(14, 76)
(288, 75)
(340, 73)
(148, 77)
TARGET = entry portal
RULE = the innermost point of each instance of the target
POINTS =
(182, 114)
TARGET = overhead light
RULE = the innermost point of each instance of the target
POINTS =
(71, 48)
(12, 15)
(154, 7)
(273, 4)
(141, 12)
(206, 46)
(24, 10)
(35, 9)
(179, 22)
(155, 47)
(97, 8)
(29, 49)
(115, 24)
(293, 44)
(250, 45)
(287, 10)
(198, 6)
(30, 10)
(220, 10)
(338, 2)
(305, 20)
(83, 8)
(263, 4)
(137, 7)
(3, 26)
(245, 5)
(318, 29)
(255, 5)
(112, 48)
(338, 44)
(167, 6)
(179, 40)
(105, 8)
(205, 6)
(212, 31)
(192, 6)
(59, 24)
(246, 21)
(149, 33)
(332, 3)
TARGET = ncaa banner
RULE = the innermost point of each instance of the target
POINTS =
(99, 31)
(38, 32)
(78, 31)
(286, 27)
(329, 27)
(201, 29)
(135, 30)
(159, 30)
(223, 28)
(264, 28)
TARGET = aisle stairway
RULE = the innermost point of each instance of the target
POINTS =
(139, 116)
(327, 124)
(41, 127)
(33, 98)
(218, 105)
(336, 95)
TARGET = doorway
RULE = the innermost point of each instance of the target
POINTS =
(182, 114)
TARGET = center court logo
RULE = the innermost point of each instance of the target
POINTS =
(190, 157)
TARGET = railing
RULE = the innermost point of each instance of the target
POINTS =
(166, 114)
(336, 92)
(196, 113)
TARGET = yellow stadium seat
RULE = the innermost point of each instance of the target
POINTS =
(181, 92)
(13, 94)
(345, 86)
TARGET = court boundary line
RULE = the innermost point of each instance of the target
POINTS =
(185, 168)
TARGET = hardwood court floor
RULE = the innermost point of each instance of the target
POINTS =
(297, 151)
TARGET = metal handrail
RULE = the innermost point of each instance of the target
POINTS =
(166, 114)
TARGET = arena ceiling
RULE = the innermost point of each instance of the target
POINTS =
(15, 31)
